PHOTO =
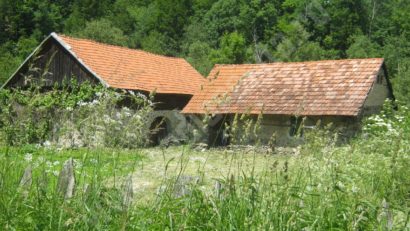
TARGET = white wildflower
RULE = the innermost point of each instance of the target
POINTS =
(55, 172)
(107, 119)
(340, 185)
(95, 102)
(28, 157)
(98, 94)
(355, 189)
(77, 164)
(82, 103)
(142, 96)
(47, 143)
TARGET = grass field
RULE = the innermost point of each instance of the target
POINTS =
(320, 185)
(363, 185)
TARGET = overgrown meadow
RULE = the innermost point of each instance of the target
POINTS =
(320, 185)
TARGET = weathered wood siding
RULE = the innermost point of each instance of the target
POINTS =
(51, 65)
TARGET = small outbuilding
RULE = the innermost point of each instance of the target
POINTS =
(340, 92)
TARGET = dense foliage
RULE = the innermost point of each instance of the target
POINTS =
(73, 115)
(206, 32)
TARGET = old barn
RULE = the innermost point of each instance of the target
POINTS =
(61, 57)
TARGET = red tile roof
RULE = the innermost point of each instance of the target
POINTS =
(331, 87)
(131, 69)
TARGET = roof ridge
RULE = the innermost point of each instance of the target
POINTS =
(116, 46)
(299, 62)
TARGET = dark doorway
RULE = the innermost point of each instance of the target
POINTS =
(219, 134)
(158, 131)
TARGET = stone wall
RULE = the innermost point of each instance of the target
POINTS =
(181, 128)
(276, 129)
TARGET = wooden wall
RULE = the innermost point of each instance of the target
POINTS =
(171, 101)
(50, 65)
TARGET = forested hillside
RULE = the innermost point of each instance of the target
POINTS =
(206, 32)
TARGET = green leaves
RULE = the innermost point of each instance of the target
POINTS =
(216, 31)
(363, 47)
(297, 47)
(232, 49)
(103, 31)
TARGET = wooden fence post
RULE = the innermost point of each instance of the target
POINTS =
(26, 181)
(127, 192)
(66, 180)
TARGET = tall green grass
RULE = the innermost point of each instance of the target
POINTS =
(96, 205)
(363, 185)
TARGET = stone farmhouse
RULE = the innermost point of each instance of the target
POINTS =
(340, 92)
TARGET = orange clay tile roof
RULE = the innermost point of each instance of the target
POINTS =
(331, 87)
(131, 69)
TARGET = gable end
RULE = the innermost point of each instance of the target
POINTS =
(52, 62)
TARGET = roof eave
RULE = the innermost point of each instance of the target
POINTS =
(202, 112)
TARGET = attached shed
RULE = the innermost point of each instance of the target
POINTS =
(340, 92)
(59, 58)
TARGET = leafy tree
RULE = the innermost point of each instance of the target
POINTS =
(222, 18)
(12, 54)
(396, 49)
(198, 56)
(402, 81)
(103, 31)
(173, 16)
(232, 49)
(8, 65)
(297, 47)
(159, 43)
(258, 19)
(21, 18)
(217, 31)
(363, 47)
(86, 10)
(346, 18)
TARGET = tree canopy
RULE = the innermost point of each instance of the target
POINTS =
(206, 32)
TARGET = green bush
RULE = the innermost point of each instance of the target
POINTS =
(74, 115)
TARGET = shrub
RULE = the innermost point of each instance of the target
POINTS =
(74, 115)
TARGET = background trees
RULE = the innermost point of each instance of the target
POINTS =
(206, 32)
